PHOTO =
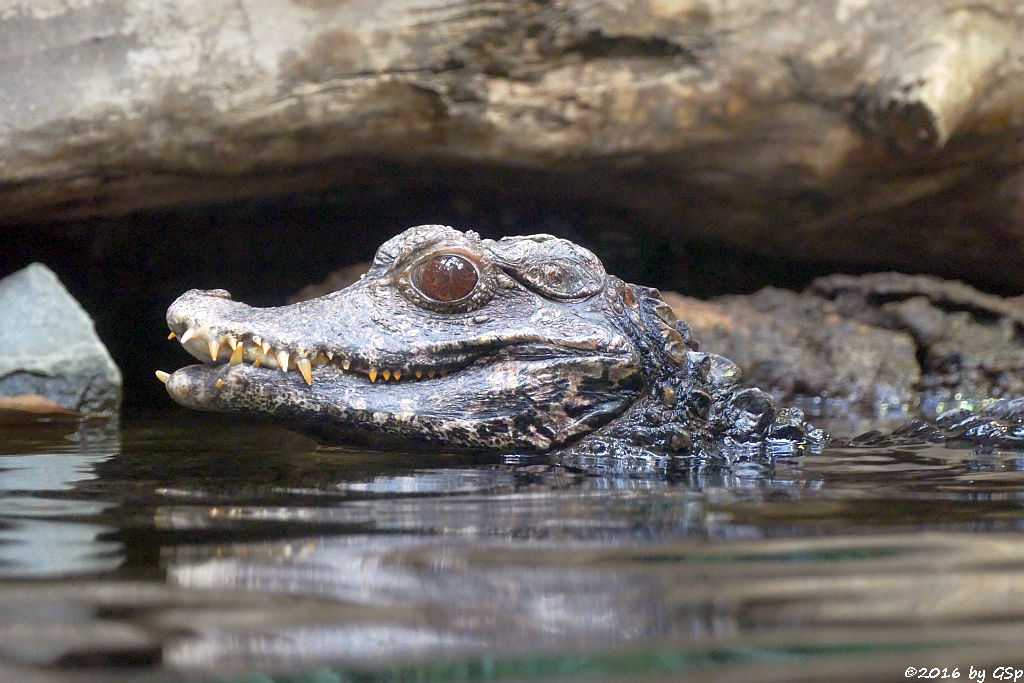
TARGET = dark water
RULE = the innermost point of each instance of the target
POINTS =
(195, 549)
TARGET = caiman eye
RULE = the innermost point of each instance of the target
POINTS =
(446, 278)
(455, 278)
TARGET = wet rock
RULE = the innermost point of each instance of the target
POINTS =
(796, 347)
(969, 345)
(879, 340)
(51, 350)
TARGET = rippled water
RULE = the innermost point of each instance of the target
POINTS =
(199, 549)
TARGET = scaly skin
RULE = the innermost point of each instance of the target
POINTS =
(536, 350)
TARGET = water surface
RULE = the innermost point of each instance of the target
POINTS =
(186, 547)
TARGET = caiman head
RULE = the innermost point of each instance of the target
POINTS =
(451, 342)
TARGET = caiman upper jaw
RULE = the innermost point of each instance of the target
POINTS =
(231, 340)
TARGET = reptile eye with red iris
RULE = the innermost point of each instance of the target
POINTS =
(446, 277)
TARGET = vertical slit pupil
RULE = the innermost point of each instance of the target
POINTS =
(448, 277)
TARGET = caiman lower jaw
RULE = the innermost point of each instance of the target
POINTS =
(522, 405)
(224, 387)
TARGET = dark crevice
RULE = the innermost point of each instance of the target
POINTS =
(979, 312)
(921, 356)
(598, 45)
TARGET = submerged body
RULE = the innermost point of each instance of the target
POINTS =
(520, 345)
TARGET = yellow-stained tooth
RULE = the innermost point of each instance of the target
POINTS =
(256, 363)
(330, 355)
(214, 349)
(345, 365)
(387, 375)
(398, 375)
(231, 341)
(189, 334)
(305, 369)
(220, 383)
(282, 360)
(419, 374)
(236, 355)
(171, 335)
(162, 376)
(430, 374)
(373, 375)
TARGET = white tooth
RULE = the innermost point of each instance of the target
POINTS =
(257, 341)
(231, 341)
(214, 349)
(189, 334)
(330, 355)
(265, 346)
(303, 365)
(282, 360)
(162, 376)
(345, 364)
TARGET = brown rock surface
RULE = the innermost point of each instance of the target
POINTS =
(796, 347)
(881, 341)
(863, 132)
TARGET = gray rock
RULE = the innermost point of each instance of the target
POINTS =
(50, 346)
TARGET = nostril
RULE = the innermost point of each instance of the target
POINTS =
(219, 293)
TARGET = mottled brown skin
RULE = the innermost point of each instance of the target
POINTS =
(449, 342)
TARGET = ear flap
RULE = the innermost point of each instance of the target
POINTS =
(551, 266)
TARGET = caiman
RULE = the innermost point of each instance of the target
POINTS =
(450, 342)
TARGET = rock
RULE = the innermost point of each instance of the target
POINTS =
(871, 132)
(970, 345)
(50, 348)
(883, 341)
(795, 347)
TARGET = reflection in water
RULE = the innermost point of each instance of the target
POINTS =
(45, 534)
(253, 551)
(433, 599)
(427, 481)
